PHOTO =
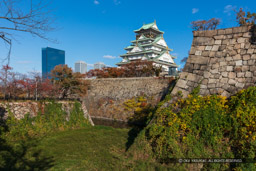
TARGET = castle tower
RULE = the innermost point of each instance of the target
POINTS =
(149, 45)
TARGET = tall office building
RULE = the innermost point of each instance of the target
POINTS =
(81, 66)
(99, 65)
(50, 58)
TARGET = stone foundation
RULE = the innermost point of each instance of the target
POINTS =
(222, 61)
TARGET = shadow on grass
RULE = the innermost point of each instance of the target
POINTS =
(132, 134)
(22, 155)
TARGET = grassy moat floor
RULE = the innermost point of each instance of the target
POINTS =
(93, 148)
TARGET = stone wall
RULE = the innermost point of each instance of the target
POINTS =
(222, 61)
(106, 96)
(21, 108)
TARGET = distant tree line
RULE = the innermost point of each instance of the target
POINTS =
(140, 68)
(242, 18)
(62, 83)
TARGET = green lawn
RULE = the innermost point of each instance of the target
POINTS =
(92, 148)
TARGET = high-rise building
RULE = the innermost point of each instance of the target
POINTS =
(81, 66)
(151, 46)
(99, 65)
(50, 58)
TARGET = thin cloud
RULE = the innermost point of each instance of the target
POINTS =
(96, 2)
(24, 62)
(195, 10)
(116, 2)
(90, 65)
(109, 57)
(175, 54)
(228, 9)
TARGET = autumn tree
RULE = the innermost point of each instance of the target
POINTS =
(68, 83)
(29, 16)
(14, 89)
(4, 77)
(244, 18)
(137, 68)
(201, 25)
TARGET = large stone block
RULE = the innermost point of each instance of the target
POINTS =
(224, 80)
(182, 83)
(225, 42)
(239, 63)
(229, 68)
(192, 50)
(210, 33)
(247, 35)
(192, 77)
(206, 53)
(231, 75)
(224, 74)
(218, 42)
(232, 41)
(232, 82)
(237, 30)
(183, 75)
(197, 59)
(221, 31)
(240, 85)
(215, 47)
(219, 37)
(208, 48)
(250, 51)
(213, 85)
(245, 68)
(237, 57)
(199, 53)
(240, 74)
(203, 41)
(212, 81)
(248, 74)
(228, 31)
(246, 57)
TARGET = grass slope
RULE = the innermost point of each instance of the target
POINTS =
(93, 148)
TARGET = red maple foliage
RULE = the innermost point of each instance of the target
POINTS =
(138, 68)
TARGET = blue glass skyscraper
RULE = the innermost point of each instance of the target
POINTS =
(50, 58)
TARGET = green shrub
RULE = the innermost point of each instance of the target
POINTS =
(206, 127)
(51, 118)
(243, 115)
(141, 109)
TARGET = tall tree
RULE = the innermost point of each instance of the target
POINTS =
(4, 75)
(245, 19)
(201, 25)
(68, 83)
(30, 16)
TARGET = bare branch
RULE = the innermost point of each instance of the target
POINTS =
(30, 16)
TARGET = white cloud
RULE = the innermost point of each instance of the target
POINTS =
(228, 9)
(175, 54)
(96, 2)
(195, 10)
(117, 2)
(109, 56)
(90, 65)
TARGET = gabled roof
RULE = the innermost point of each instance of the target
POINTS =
(148, 26)
(164, 63)
(136, 53)
(157, 39)
(142, 37)
(138, 46)
(173, 57)
(129, 47)
(146, 38)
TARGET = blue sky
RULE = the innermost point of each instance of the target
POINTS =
(98, 30)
